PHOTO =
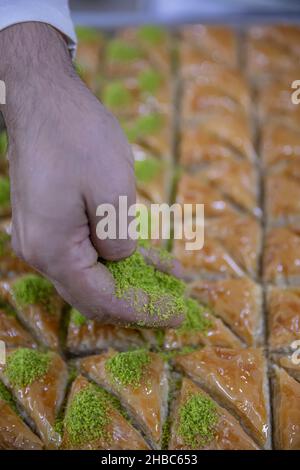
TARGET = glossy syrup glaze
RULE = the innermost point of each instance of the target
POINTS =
(145, 402)
(227, 434)
(237, 378)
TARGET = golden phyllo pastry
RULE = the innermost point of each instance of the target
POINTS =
(89, 336)
(281, 261)
(37, 305)
(287, 411)
(200, 327)
(38, 382)
(12, 332)
(14, 433)
(219, 43)
(283, 309)
(198, 422)
(282, 193)
(237, 378)
(280, 142)
(237, 301)
(232, 244)
(225, 187)
(94, 421)
(139, 379)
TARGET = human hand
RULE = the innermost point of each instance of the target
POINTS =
(67, 155)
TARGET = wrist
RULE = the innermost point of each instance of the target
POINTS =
(35, 62)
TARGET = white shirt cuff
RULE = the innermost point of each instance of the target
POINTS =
(53, 12)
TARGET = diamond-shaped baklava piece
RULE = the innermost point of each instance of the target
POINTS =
(89, 336)
(139, 379)
(231, 248)
(237, 378)
(38, 382)
(283, 310)
(37, 305)
(237, 301)
(93, 421)
(14, 433)
(200, 423)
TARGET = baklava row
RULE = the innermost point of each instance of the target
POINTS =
(73, 383)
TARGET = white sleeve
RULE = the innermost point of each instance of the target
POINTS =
(53, 12)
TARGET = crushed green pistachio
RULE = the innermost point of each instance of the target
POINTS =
(88, 416)
(164, 255)
(146, 170)
(6, 396)
(194, 321)
(152, 34)
(87, 34)
(59, 424)
(77, 318)
(33, 289)
(134, 276)
(4, 191)
(24, 366)
(149, 80)
(197, 419)
(168, 355)
(166, 433)
(3, 142)
(148, 124)
(127, 368)
(160, 338)
(116, 95)
(118, 50)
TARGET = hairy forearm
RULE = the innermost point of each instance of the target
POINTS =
(34, 59)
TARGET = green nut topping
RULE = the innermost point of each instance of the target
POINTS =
(6, 396)
(169, 355)
(143, 126)
(77, 318)
(166, 434)
(4, 191)
(151, 34)
(118, 50)
(197, 420)
(88, 416)
(33, 289)
(150, 80)
(87, 34)
(116, 95)
(133, 277)
(3, 143)
(127, 368)
(24, 366)
(146, 170)
(194, 321)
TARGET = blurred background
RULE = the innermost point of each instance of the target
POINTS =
(115, 13)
